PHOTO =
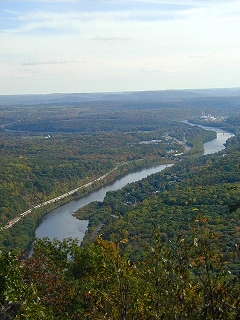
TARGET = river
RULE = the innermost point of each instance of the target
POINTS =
(60, 223)
(217, 144)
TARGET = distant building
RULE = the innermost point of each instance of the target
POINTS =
(210, 117)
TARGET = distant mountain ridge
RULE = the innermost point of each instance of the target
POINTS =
(159, 95)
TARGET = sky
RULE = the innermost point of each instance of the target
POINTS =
(68, 46)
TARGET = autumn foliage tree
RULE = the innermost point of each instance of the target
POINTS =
(186, 279)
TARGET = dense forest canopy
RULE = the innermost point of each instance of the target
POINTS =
(95, 116)
(168, 246)
(191, 279)
(172, 199)
(53, 148)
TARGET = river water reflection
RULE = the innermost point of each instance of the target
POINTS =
(217, 144)
(60, 222)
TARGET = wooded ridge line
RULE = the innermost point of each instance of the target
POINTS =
(56, 199)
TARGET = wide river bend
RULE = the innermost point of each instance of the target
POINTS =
(60, 223)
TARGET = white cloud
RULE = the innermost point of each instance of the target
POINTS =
(111, 38)
(118, 50)
(37, 63)
(70, 21)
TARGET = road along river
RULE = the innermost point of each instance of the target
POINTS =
(60, 223)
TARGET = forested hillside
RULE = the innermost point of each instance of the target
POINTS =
(56, 148)
(36, 169)
(165, 247)
(189, 278)
(206, 186)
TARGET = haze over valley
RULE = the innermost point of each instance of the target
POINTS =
(119, 160)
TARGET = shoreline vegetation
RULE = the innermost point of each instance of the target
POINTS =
(166, 246)
(196, 149)
(206, 186)
(58, 147)
(88, 187)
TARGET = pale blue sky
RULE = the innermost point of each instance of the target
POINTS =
(106, 45)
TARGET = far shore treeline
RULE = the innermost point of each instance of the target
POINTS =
(165, 247)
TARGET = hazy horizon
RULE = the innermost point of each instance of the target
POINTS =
(101, 46)
(122, 92)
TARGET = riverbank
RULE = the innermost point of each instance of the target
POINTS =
(54, 224)
(69, 203)
(70, 208)
(102, 217)
(170, 156)
(120, 170)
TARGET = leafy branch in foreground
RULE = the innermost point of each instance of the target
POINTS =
(189, 279)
